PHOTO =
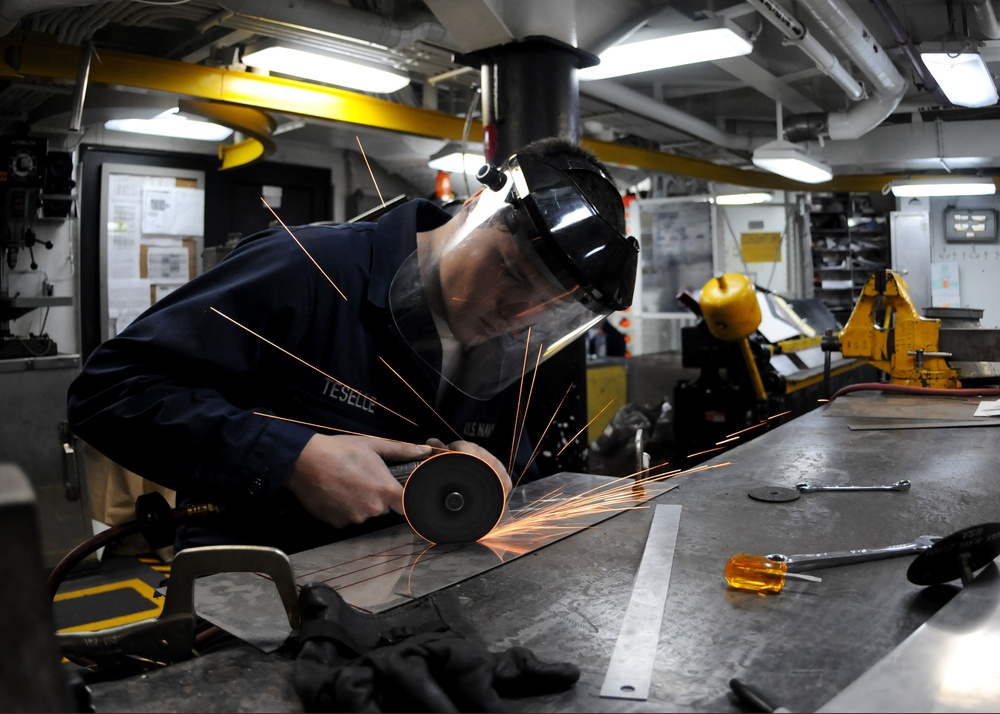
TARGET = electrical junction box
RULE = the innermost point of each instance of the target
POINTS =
(970, 225)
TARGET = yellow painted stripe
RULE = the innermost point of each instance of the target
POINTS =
(142, 588)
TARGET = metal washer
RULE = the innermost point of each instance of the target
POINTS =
(774, 494)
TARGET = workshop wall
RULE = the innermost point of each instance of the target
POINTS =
(977, 262)
(351, 191)
(54, 276)
(950, 270)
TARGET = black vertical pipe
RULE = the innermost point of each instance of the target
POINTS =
(530, 91)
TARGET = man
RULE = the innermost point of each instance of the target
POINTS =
(280, 382)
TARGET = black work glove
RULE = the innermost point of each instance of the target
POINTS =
(409, 659)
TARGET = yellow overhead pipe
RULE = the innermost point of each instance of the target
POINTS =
(256, 124)
(37, 55)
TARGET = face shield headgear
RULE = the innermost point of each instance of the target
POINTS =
(530, 266)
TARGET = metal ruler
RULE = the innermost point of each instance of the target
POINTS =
(631, 667)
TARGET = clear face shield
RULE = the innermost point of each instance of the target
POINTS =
(530, 266)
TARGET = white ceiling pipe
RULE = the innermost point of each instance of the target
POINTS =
(11, 11)
(984, 17)
(314, 14)
(632, 101)
(889, 86)
(797, 35)
(345, 21)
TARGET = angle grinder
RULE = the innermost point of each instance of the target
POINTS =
(452, 497)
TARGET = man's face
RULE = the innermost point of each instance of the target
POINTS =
(490, 288)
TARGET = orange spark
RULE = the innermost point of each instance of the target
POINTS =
(755, 426)
(706, 451)
(539, 306)
(442, 449)
(557, 519)
(517, 410)
(304, 249)
(317, 369)
(585, 426)
(519, 431)
(457, 435)
(545, 431)
(779, 415)
(370, 172)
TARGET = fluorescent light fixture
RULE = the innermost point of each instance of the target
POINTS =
(789, 160)
(172, 124)
(702, 41)
(744, 199)
(457, 163)
(962, 76)
(944, 186)
(319, 66)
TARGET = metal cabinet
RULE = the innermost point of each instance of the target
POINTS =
(35, 436)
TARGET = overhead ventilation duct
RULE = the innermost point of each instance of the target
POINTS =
(11, 11)
(797, 35)
(325, 16)
(888, 84)
(313, 16)
(645, 106)
(984, 17)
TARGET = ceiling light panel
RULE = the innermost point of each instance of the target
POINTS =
(325, 67)
(963, 77)
(945, 186)
(698, 42)
(791, 161)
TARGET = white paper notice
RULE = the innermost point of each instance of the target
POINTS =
(123, 241)
(165, 265)
(173, 211)
(189, 216)
(158, 206)
(988, 409)
(946, 290)
(127, 299)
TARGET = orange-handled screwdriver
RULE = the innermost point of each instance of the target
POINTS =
(759, 573)
(767, 573)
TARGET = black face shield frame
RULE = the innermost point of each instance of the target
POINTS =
(581, 249)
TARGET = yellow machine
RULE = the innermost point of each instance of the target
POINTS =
(886, 330)
(731, 312)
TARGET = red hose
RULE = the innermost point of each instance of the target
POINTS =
(906, 389)
(91, 545)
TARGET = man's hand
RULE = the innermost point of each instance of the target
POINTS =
(469, 448)
(343, 479)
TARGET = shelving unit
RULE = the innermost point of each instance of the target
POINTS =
(850, 240)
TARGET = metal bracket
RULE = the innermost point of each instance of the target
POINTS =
(170, 637)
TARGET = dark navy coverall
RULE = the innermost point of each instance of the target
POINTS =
(173, 396)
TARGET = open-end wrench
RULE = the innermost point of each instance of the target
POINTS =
(806, 487)
(811, 561)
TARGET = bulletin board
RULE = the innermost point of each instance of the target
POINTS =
(152, 237)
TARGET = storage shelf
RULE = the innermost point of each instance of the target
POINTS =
(849, 229)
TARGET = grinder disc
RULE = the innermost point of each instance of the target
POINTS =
(774, 494)
(971, 548)
(453, 498)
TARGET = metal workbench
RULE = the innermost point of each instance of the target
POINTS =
(803, 645)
